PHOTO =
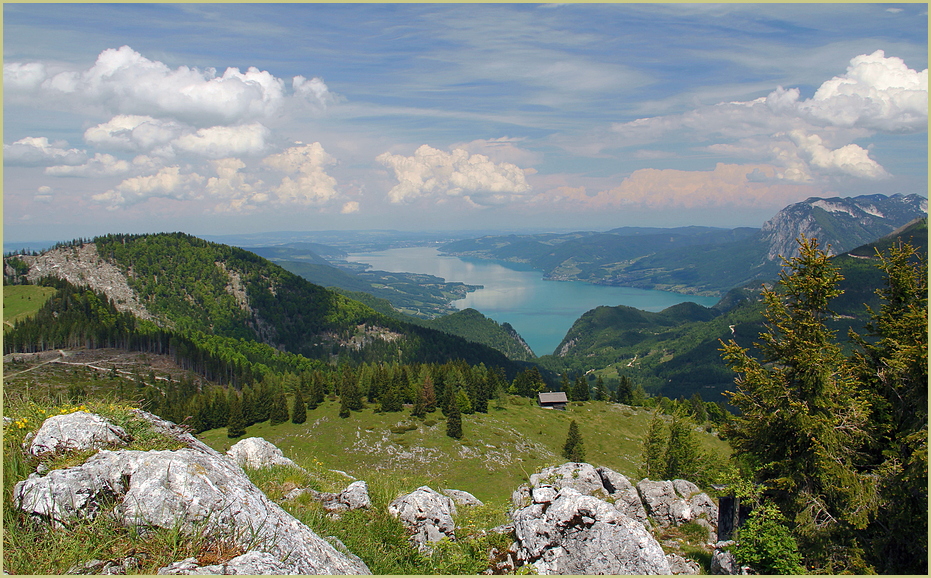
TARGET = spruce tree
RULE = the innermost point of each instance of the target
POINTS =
(892, 363)
(453, 418)
(580, 391)
(429, 394)
(625, 391)
(601, 392)
(298, 408)
(653, 455)
(802, 417)
(279, 412)
(236, 424)
(683, 456)
(574, 448)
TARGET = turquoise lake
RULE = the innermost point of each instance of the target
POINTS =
(541, 311)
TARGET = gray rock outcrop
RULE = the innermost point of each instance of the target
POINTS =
(256, 453)
(427, 514)
(354, 497)
(192, 489)
(250, 563)
(680, 565)
(563, 531)
(601, 482)
(76, 431)
(462, 498)
(675, 502)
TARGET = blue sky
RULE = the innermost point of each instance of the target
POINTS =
(238, 118)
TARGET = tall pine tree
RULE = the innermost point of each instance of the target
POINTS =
(298, 408)
(802, 417)
(574, 448)
(453, 418)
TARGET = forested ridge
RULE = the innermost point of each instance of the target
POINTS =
(228, 301)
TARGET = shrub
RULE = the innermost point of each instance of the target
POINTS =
(765, 544)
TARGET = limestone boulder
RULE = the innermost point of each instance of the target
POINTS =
(250, 564)
(566, 532)
(462, 498)
(675, 502)
(191, 489)
(257, 453)
(427, 514)
(624, 495)
(76, 431)
(681, 565)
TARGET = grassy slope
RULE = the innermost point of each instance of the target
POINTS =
(22, 301)
(499, 450)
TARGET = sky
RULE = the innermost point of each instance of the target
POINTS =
(245, 118)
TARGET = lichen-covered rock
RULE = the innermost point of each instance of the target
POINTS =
(724, 563)
(256, 453)
(624, 494)
(675, 502)
(250, 564)
(76, 431)
(462, 498)
(566, 532)
(190, 489)
(427, 514)
(680, 565)
(354, 497)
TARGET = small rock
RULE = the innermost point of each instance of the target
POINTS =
(76, 431)
(256, 453)
(427, 514)
(463, 498)
(680, 565)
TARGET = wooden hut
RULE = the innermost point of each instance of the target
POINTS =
(553, 400)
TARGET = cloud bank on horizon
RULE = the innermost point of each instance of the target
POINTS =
(518, 115)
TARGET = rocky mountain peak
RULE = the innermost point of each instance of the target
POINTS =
(841, 222)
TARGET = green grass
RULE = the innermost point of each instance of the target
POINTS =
(22, 301)
(498, 451)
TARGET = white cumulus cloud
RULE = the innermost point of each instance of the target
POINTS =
(133, 132)
(38, 151)
(126, 82)
(877, 92)
(102, 165)
(223, 141)
(432, 172)
(849, 159)
(168, 182)
(310, 185)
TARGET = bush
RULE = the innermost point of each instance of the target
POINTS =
(765, 544)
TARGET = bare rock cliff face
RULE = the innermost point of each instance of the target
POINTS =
(84, 266)
(842, 223)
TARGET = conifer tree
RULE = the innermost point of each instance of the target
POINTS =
(298, 408)
(464, 403)
(236, 424)
(279, 411)
(625, 391)
(565, 386)
(653, 456)
(892, 363)
(453, 418)
(429, 394)
(802, 416)
(580, 391)
(574, 448)
(683, 456)
(601, 392)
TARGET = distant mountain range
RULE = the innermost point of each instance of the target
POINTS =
(699, 260)
(675, 352)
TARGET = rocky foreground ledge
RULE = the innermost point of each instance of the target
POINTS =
(570, 519)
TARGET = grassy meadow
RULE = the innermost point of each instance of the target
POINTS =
(22, 301)
(498, 451)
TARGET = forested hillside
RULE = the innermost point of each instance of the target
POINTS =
(209, 293)
(675, 352)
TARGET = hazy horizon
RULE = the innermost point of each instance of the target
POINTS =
(218, 119)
